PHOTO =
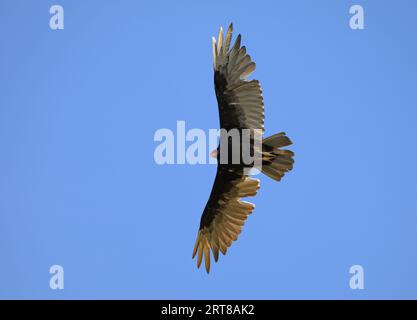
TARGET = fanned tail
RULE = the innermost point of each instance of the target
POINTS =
(275, 161)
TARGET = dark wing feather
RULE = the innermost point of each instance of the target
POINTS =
(239, 100)
(224, 214)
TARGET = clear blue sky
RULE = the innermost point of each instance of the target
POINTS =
(79, 186)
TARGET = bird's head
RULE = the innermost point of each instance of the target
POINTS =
(214, 153)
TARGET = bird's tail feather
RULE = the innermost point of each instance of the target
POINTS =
(275, 161)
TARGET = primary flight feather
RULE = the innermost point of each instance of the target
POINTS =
(241, 107)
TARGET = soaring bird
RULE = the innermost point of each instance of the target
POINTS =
(241, 107)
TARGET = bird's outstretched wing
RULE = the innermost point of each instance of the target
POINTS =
(241, 106)
(240, 101)
(224, 214)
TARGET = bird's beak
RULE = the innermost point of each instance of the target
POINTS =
(214, 153)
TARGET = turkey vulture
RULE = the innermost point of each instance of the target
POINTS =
(241, 107)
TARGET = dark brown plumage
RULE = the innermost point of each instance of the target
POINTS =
(241, 106)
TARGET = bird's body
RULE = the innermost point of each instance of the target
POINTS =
(241, 111)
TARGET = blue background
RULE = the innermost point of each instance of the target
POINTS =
(79, 186)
